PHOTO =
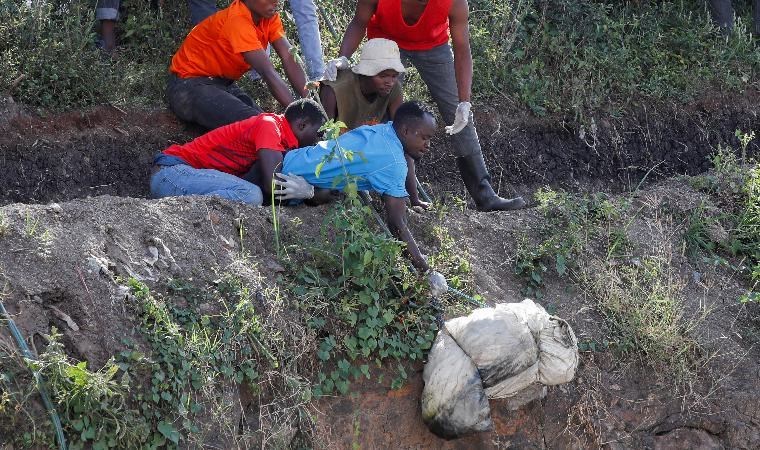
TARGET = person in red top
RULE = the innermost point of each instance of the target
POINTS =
(214, 164)
(218, 51)
(422, 29)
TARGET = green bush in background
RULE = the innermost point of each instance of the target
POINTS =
(566, 57)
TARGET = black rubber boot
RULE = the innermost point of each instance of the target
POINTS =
(478, 184)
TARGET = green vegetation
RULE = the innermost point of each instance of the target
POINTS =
(585, 237)
(734, 184)
(571, 226)
(566, 57)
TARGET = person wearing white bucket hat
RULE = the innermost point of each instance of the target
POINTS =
(369, 93)
(422, 29)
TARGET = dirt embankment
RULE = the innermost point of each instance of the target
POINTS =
(109, 151)
(58, 261)
(65, 264)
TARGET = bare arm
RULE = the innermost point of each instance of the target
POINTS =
(268, 163)
(460, 38)
(328, 100)
(395, 208)
(293, 70)
(357, 28)
(259, 61)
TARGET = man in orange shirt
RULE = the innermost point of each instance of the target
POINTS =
(218, 51)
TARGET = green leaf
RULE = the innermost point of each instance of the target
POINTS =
(168, 431)
(367, 257)
(318, 169)
(561, 265)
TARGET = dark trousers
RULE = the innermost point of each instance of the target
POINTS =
(209, 102)
(436, 68)
(723, 15)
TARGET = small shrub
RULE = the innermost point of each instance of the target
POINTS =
(643, 308)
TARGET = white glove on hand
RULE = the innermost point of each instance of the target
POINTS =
(461, 118)
(437, 283)
(331, 71)
(293, 187)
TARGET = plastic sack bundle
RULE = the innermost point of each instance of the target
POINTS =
(511, 351)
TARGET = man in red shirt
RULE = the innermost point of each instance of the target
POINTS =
(218, 51)
(214, 163)
(422, 28)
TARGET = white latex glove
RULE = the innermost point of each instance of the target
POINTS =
(333, 65)
(461, 118)
(437, 283)
(292, 187)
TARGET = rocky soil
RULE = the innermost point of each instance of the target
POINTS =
(57, 262)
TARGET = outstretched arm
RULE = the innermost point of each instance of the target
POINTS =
(293, 70)
(328, 100)
(259, 61)
(395, 208)
(268, 163)
(460, 38)
(357, 28)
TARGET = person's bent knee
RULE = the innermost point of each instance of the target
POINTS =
(251, 195)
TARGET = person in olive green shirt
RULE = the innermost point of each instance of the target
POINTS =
(368, 94)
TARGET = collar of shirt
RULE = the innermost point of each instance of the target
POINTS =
(289, 139)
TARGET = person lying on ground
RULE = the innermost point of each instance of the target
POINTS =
(218, 51)
(213, 163)
(422, 29)
(378, 164)
(370, 93)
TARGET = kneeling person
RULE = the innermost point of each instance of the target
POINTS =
(378, 164)
(214, 163)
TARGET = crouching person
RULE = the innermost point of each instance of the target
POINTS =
(379, 165)
(214, 163)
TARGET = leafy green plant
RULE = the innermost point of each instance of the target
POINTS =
(93, 405)
(642, 306)
(571, 225)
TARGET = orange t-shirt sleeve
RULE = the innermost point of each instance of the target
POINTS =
(276, 31)
(241, 35)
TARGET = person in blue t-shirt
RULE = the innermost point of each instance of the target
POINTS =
(378, 164)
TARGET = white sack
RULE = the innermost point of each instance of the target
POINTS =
(497, 341)
(558, 357)
(530, 313)
(453, 401)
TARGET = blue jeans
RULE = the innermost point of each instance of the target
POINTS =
(181, 179)
(305, 16)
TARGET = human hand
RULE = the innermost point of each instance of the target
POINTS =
(461, 118)
(331, 70)
(292, 187)
(437, 283)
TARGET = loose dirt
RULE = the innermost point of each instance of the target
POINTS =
(62, 258)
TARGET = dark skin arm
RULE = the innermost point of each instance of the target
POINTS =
(329, 102)
(395, 209)
(268, 163)
(357, 28)
(411, 184)
(460, 39)
(293, 70)
(260, 62)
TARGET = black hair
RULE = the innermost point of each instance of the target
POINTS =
(305, 108)
(411, 112)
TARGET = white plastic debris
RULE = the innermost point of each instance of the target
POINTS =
(453, 401)
(511, 351)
